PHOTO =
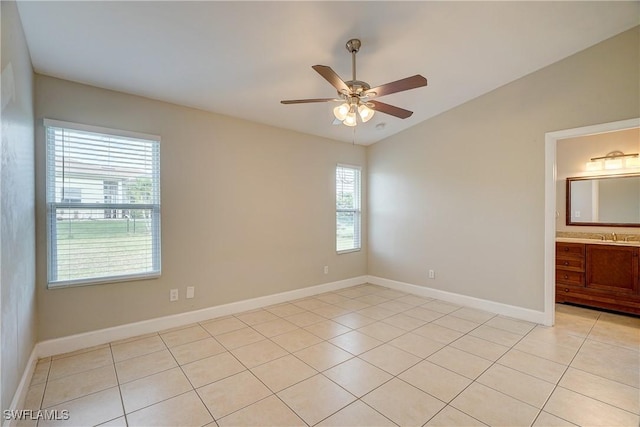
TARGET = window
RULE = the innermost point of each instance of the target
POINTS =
(103, 204)
(347, 208)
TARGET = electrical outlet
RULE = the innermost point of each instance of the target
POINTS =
(432, 274)
(190, 292)
(173, 295)
(326, 269)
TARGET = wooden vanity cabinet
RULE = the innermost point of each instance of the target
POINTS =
(604, 276)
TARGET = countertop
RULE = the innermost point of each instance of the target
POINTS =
(635, 243)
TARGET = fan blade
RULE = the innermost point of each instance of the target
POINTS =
(331, 76)
(390, 109)
(306, 101)
(397, 86)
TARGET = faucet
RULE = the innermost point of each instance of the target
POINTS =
(614, 237)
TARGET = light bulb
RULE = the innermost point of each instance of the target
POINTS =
(613, 163)
(365, 113)
(632, 162)
(594, 165)
(341, 111)
(350, 119)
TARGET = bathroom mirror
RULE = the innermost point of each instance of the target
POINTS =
(608, 200)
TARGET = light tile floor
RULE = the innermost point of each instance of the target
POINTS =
(362, 356)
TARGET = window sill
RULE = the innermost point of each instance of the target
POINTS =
(348, 251)
(101, 281)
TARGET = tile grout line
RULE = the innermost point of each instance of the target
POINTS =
(472, 380)
(124, 411)
(396, 376)
(46, 384)
(525, 373)
(317, 372)
(557, 384)
(253, 374)
(493, 363)
(357, 356)
(354, 356)
(586, 338)
(273, 393)
(194, 389)
(126, 414)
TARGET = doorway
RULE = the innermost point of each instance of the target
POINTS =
(551, 141)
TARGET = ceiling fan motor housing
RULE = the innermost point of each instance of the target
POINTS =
(357, 87)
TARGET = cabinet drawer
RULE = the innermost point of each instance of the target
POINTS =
(570, 249)
(569, 290)
(572, 264)
(567, 277)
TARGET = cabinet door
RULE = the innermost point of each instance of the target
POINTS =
(612, 268)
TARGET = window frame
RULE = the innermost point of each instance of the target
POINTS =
(357, 210)
(52, 206)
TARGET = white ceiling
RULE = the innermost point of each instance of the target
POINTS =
(241, 58)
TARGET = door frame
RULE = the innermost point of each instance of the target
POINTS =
(550, 172)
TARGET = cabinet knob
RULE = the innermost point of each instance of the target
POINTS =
(566, 263)
(566, 249)
(566, 276)
(566, 289)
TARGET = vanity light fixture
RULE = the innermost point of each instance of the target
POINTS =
(613, 161)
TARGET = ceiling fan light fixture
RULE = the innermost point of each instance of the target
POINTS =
(341, 111)
(365, 113)
(350, 120)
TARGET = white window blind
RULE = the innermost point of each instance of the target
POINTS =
(347, 208)
(103, 204)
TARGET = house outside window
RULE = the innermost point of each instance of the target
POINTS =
(348, 212)
(103, 204)
(110, 191)
(72, 195)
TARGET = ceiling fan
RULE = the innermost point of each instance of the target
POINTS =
(357, 96)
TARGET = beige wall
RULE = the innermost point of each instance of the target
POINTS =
(17, 220)
(247, 210)
(463, 193)
(571, 156)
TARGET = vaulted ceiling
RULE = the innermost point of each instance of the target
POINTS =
(241, 58)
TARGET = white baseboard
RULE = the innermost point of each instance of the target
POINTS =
(481, 304)
(103, 336)
(20, 395)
